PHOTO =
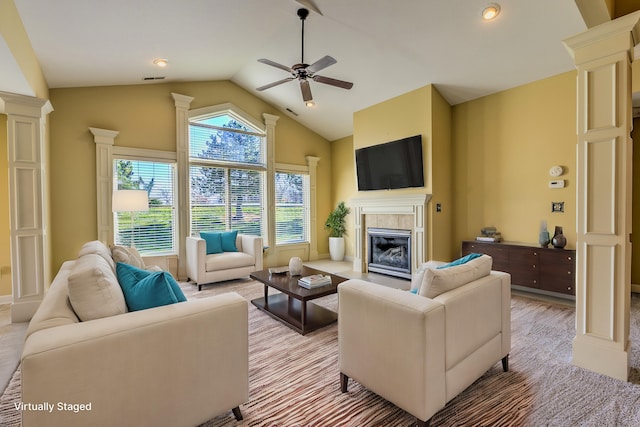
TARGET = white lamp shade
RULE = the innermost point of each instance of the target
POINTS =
(130, 201)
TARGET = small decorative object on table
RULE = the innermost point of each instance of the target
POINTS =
(295, 266)
(489, 234)
(278, 270)
(559, 241)
(544, 235)
(314, 281)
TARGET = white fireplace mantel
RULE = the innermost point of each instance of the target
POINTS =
(404, 204)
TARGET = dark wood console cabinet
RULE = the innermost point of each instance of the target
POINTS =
(544, 269)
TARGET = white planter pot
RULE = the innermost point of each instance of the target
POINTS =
(336, 248)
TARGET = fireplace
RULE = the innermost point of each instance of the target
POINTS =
(389, 251)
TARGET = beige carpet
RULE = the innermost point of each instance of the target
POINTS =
(294, 378)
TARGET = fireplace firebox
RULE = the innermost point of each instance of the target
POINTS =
(390, 252)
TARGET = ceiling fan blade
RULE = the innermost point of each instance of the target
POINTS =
(333, 82)
(275, 64)
(270, 85)
(306, 90)
(321, 64)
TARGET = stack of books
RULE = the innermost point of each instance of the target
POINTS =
(314, 281)
(489, 234)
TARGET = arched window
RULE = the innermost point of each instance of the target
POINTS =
(227, 173)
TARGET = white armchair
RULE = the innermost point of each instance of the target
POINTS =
(203, 268)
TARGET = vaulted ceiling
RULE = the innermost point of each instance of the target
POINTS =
(386, 48)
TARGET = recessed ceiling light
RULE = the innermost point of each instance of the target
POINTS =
(161, 62)
(491, 11)
(310, 104)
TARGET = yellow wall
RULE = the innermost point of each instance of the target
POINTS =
(145, 117)
(420, 112)
(504, 145)
(343, 184)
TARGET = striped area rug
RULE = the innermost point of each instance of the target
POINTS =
(294, 379)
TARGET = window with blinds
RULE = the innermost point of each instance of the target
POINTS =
(153, 232)
(227, 175)
(292, 208)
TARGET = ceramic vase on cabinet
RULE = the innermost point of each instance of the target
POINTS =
(559, 241)
(295, 266)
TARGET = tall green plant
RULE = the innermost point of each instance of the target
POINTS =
(336, 221)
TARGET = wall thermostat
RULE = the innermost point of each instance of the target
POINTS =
(556, 170)
(557, 183)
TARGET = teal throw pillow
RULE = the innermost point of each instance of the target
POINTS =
(229, 241)
(144, 289)
(213, 240)
(465, 259)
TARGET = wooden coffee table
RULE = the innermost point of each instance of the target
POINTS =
(292, 306)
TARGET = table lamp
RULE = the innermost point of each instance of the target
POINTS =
(130, 201)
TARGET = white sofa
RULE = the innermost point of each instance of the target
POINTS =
(175, 365)
(203, 268)
(417, 352)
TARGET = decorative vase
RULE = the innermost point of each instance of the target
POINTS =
(295, 266)
(544, 239)
(559, 241)
(336, 248)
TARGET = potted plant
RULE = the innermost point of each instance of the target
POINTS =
(337, 225)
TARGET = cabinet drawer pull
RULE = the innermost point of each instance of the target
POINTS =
(569, 273)
(569, 258)
(569, 288)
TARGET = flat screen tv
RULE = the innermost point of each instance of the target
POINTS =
(392, 165)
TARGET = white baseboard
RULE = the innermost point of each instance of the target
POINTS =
(6, 299)
(635, 288)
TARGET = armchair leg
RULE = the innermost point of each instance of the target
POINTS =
(421, 423)
(505, 363)
(344, 382)
(237, 413)
(199, 287)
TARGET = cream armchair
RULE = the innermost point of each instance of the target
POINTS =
(203, 268)
(417, 352)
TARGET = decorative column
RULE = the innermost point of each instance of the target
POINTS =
(182, 103)
(603, 57)
(104, 140)
(312, 162)
(270, 123)
(26, 130)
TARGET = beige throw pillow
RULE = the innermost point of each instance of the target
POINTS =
(437, 281)
(94, 291)
(98, 248)
(127, 255)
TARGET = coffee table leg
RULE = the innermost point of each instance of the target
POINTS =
(266, 296)
(303, 315)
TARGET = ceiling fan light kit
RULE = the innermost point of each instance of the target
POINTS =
(303, 72)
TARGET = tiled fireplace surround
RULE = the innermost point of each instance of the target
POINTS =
(400, 212)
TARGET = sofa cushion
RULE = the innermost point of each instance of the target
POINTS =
(228, 260)
(94, 291)
(213, 240)
(465, 259)
(229, 241)
(418, 276)
(146, 289)
(98, 248)
(437, 281)
(127, 255)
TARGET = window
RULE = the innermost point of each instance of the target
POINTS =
(227, 175)
(153, 232)
(292, 207)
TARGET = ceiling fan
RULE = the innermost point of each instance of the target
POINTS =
(303, 72)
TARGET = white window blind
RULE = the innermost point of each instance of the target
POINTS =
(227, 175)
(153, 232)
(292, 208)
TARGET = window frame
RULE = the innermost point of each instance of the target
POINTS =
(257, 129)
(151, 156)
(298, 170)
